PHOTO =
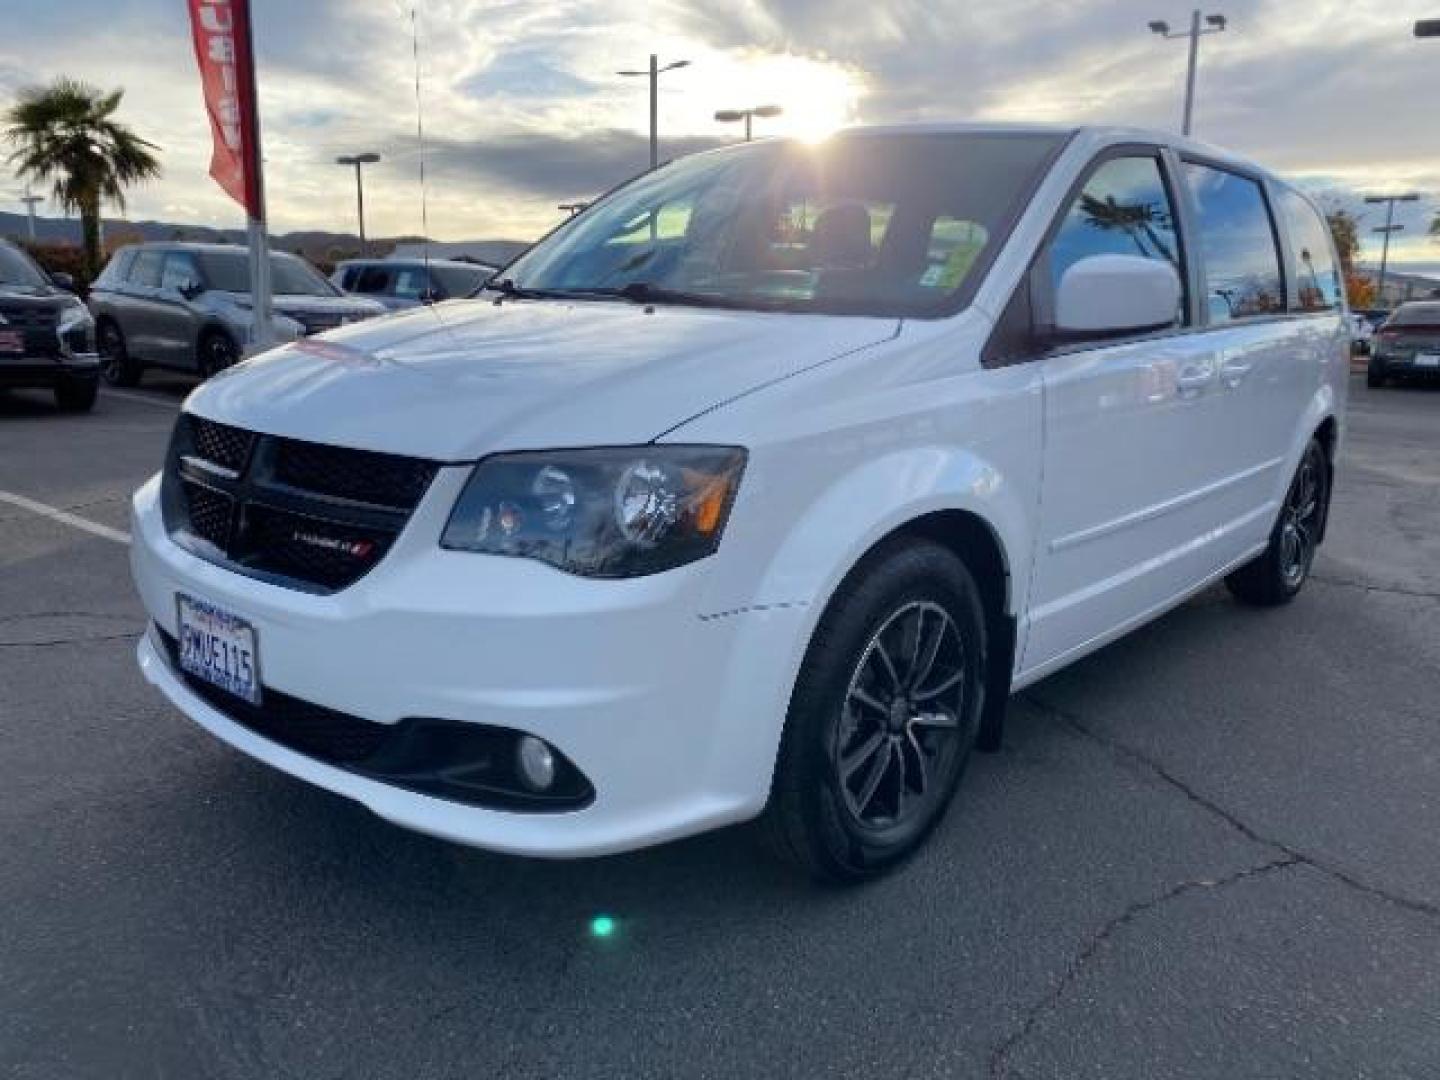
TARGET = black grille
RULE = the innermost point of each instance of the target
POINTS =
(300, 725)
(220, 444)
(210, 513)
(297, 513)
(359, 475)
(30, 316)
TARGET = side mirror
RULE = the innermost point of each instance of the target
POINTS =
(63, 280)
(1112, 295)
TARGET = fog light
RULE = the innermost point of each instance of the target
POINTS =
(537, 763)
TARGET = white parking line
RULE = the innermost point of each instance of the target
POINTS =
(143, 399)
(65, 517)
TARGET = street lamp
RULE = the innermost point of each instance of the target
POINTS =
(654, 72)
(358, 160)
(1387, 229)
(1214, 24)
(572, 208)
(1427, 28)
(730, 116)
(30, 200)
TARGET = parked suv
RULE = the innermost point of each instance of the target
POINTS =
(756, 489)
(401, 283)
(47, 339)
(187, 307)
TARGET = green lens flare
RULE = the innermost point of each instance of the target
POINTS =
(602, 926)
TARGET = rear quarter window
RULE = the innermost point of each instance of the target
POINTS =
(1317, 277)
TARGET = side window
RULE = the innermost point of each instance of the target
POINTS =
(1317, 279)
(1124, 209)
(179, 272)
(145, 270)
(410, 283)
(373, 280)
(1242, 264)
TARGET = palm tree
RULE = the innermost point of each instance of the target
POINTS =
(66, 134)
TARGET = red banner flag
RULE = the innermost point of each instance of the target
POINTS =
(221, 29)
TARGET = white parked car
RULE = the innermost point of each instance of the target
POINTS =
(755, 489)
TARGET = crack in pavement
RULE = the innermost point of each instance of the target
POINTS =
(1393, 590)
(999, 1057)
(1285, 856)
(1074, 723)
(79, 640)
(11, 641)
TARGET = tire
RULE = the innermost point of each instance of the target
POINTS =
(77, 395)
(215, 351)
(117, 366)
(1374, 378)
(1276, 576)
(864, 771)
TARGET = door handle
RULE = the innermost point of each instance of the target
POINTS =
(1194, 378)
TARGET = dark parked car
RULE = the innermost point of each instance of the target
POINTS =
(47, 340)
(187, 307)
(405, 283)
(1407, 345)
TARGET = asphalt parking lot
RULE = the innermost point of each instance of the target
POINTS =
(1207, 851)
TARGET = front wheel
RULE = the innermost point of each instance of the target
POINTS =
(1277, 574)
(77, 395)
(117, 366)
(216, 352)
(884, 716)
(1374, 377)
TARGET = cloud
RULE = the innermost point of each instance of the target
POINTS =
(522, 107)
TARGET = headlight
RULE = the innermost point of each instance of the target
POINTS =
(611, 512)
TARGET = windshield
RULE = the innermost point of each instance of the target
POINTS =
(880, 223)
(16, 269)
(289, 276)
(1416, 315)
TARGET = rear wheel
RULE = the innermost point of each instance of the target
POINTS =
(216, 352)
(1374, 376)
(884, 716)
(1276, 576)
(117, 366)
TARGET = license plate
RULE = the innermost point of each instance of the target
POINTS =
(12, 341)
(219, 647)
(1428, 359)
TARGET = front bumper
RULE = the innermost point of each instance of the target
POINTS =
(672, 716)
(45, 372)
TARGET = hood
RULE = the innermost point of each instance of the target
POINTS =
(456, 381)
(13, 291)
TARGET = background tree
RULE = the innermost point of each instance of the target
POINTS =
(1345, 228)
(66, 135)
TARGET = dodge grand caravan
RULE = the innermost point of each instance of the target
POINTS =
(754, 489)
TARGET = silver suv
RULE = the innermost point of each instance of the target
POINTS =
(187, 307)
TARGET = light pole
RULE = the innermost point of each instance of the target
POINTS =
(1214, 25)
(1387, 229)
(358, 160)
(730, 116)
(654, 73)
(572, 208)
(30, 201)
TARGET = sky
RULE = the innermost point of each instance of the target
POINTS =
(523, 110)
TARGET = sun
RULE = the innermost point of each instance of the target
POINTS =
(816, 96)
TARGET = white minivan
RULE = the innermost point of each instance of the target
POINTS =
(755, 489)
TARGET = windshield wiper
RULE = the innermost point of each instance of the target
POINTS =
(642, 292)
(506, 287)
